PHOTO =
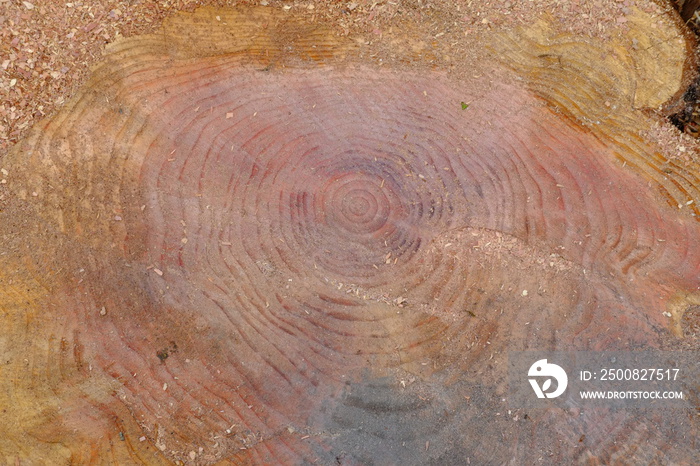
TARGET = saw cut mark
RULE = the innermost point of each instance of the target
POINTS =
(608, 95)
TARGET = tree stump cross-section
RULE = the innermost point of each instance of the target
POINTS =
(240, 242)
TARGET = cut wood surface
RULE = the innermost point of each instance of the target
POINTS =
(249, 240)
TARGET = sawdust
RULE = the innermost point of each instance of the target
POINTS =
(47, 48)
